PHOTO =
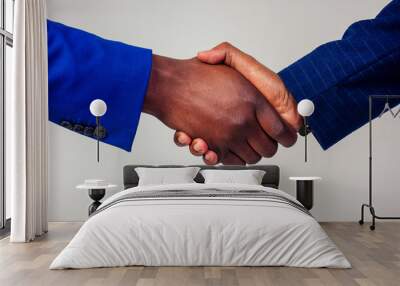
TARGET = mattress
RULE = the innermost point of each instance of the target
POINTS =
(201, 225)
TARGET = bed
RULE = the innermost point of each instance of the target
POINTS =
(198, 224)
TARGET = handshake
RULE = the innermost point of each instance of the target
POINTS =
(226, 106)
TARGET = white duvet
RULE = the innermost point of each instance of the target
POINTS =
(194, 231)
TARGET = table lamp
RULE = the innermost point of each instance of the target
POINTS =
(98, 108)
(305, 109)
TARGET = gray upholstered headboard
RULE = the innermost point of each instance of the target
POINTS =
(271, 177)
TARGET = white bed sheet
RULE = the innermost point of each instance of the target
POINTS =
(190, 232)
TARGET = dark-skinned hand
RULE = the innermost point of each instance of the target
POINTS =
(217, 104)
(264, 79)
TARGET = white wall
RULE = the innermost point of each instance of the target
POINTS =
(276, 32)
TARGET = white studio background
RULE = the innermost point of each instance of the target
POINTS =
(276, 32)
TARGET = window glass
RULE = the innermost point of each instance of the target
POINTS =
(8, 70)
(2, 195)
(9, 9)
(1, 13)
(8, 74)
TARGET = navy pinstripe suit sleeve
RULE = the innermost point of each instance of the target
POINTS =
(339, 76)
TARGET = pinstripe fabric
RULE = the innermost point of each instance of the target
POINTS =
(340, 75)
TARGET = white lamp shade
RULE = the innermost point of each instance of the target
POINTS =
(98, 107)
(305, 107)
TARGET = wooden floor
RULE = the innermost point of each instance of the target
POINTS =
(375, 257)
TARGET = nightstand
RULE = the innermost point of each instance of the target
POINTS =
(97, 190)
(305, 190)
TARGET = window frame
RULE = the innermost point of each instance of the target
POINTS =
(6, 39)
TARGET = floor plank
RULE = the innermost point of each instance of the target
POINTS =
(375, 257)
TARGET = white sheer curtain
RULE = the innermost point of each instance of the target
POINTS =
(26, 123)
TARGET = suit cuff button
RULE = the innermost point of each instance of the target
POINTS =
(100, 132)
(66, 124)
(78, 128)
(88, 131)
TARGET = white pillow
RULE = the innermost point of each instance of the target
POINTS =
(248, 177)
(163, 176)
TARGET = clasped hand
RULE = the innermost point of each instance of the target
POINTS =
(236, 109)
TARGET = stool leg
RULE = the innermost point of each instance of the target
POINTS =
(93, 207)
(305, 193)
(96, 195)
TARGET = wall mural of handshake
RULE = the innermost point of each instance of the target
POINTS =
(229, 102)
(224, 104)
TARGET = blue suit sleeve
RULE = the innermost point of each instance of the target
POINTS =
(83, 67)
(339, 76)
